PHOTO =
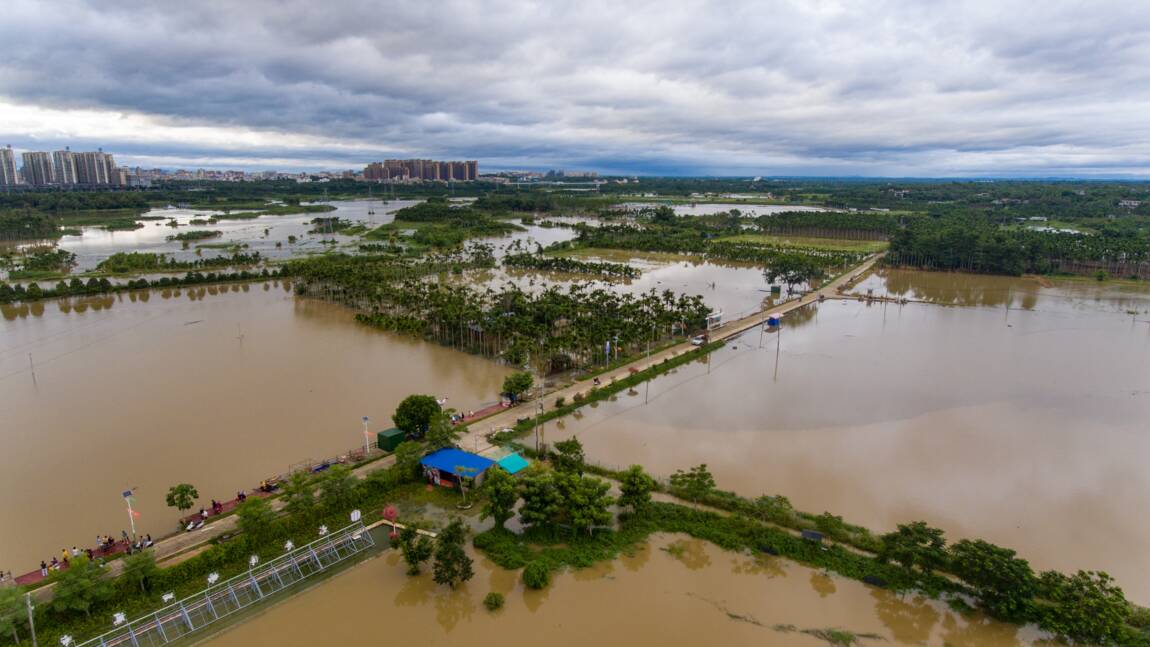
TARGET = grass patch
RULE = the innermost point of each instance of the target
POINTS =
(558, 548)
(831, 244)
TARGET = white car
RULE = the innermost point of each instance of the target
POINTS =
(698, 341)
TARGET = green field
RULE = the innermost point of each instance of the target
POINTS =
(815, 243)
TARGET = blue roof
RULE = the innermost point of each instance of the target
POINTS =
(513, 463)
(446, 460)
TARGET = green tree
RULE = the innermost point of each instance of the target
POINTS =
(337, 488)
(12, 611)
(452, 565)
(415, 413)
(518, 383)
(588, 503)
(502, 494)
(416, 548)
(182, 497)
(299, 495)
(140, 567)
(80, 587)
(1005, 584)
(542, 501)
(407, 457)
(1090, 607)
(915, 544)
(256, 518)
(536, 575)
(696, 483)
(441, 432)
(635, 488)
(776, 508)
(568, 456)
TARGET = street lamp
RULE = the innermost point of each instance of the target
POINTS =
(366, 436)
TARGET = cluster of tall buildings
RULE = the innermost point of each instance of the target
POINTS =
(64, 168)
(421, 170)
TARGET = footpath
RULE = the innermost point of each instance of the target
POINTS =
(175, 548)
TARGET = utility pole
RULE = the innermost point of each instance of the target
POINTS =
(366, 437)
(131, 513)
(31, 621)
(778, 346)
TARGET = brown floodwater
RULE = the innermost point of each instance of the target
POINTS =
(700, 595)
(149, 389)
(1020, 420)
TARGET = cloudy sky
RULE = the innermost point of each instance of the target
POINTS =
(766, 87)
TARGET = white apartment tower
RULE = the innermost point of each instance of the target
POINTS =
(38, 169)
(64, 165)
(8, 175)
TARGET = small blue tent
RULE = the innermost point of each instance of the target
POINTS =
(513, 463)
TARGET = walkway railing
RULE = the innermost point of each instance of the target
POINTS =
(222, 599)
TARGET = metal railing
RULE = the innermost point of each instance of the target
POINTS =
(193, 613)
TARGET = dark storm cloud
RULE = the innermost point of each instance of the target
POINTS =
(882, 87)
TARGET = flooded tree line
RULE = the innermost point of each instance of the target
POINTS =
(555, 329)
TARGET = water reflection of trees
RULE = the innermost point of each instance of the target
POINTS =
(823, 584)
(977, 630)
(637, 558)
(691, 552)
(910, 620)
(956, 288)
(760, 564)
(453, 606)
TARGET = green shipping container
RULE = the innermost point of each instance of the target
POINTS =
(388, 440)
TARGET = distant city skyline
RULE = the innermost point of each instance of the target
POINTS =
(888, 88)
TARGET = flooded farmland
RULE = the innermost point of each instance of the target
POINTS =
(694, 594)
(214, 386)
(1022, 425)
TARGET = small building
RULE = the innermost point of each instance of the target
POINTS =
(446, 466)
(389, 439)
(513, 463)
(714, 319)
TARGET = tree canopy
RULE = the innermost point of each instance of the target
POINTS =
(415, 413)
(182, 497)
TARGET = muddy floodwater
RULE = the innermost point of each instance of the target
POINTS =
(216, 386)
(1021, 419)
(700, 595)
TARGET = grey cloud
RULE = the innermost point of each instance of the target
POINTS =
(776, 87)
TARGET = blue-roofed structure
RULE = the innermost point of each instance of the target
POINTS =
(444, 466)
(513, 463)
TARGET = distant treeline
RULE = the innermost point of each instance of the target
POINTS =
(973, 243)
(123, 262)
(446, 225)
(570, 265)
(78, 287)
(702, 236)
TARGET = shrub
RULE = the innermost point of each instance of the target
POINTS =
(493, 601)
(536, 575)
(560, 401)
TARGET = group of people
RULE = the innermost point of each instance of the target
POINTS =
(5, 577)
(104, 544)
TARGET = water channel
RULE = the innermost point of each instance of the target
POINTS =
(693, 594)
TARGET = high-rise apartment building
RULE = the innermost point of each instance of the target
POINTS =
(95, 169)
(8, 176)
(416, 169)
(64, 166)
(38, 169)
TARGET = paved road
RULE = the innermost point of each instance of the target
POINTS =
(476, 440)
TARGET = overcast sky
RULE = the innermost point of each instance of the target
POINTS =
(763, 87)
